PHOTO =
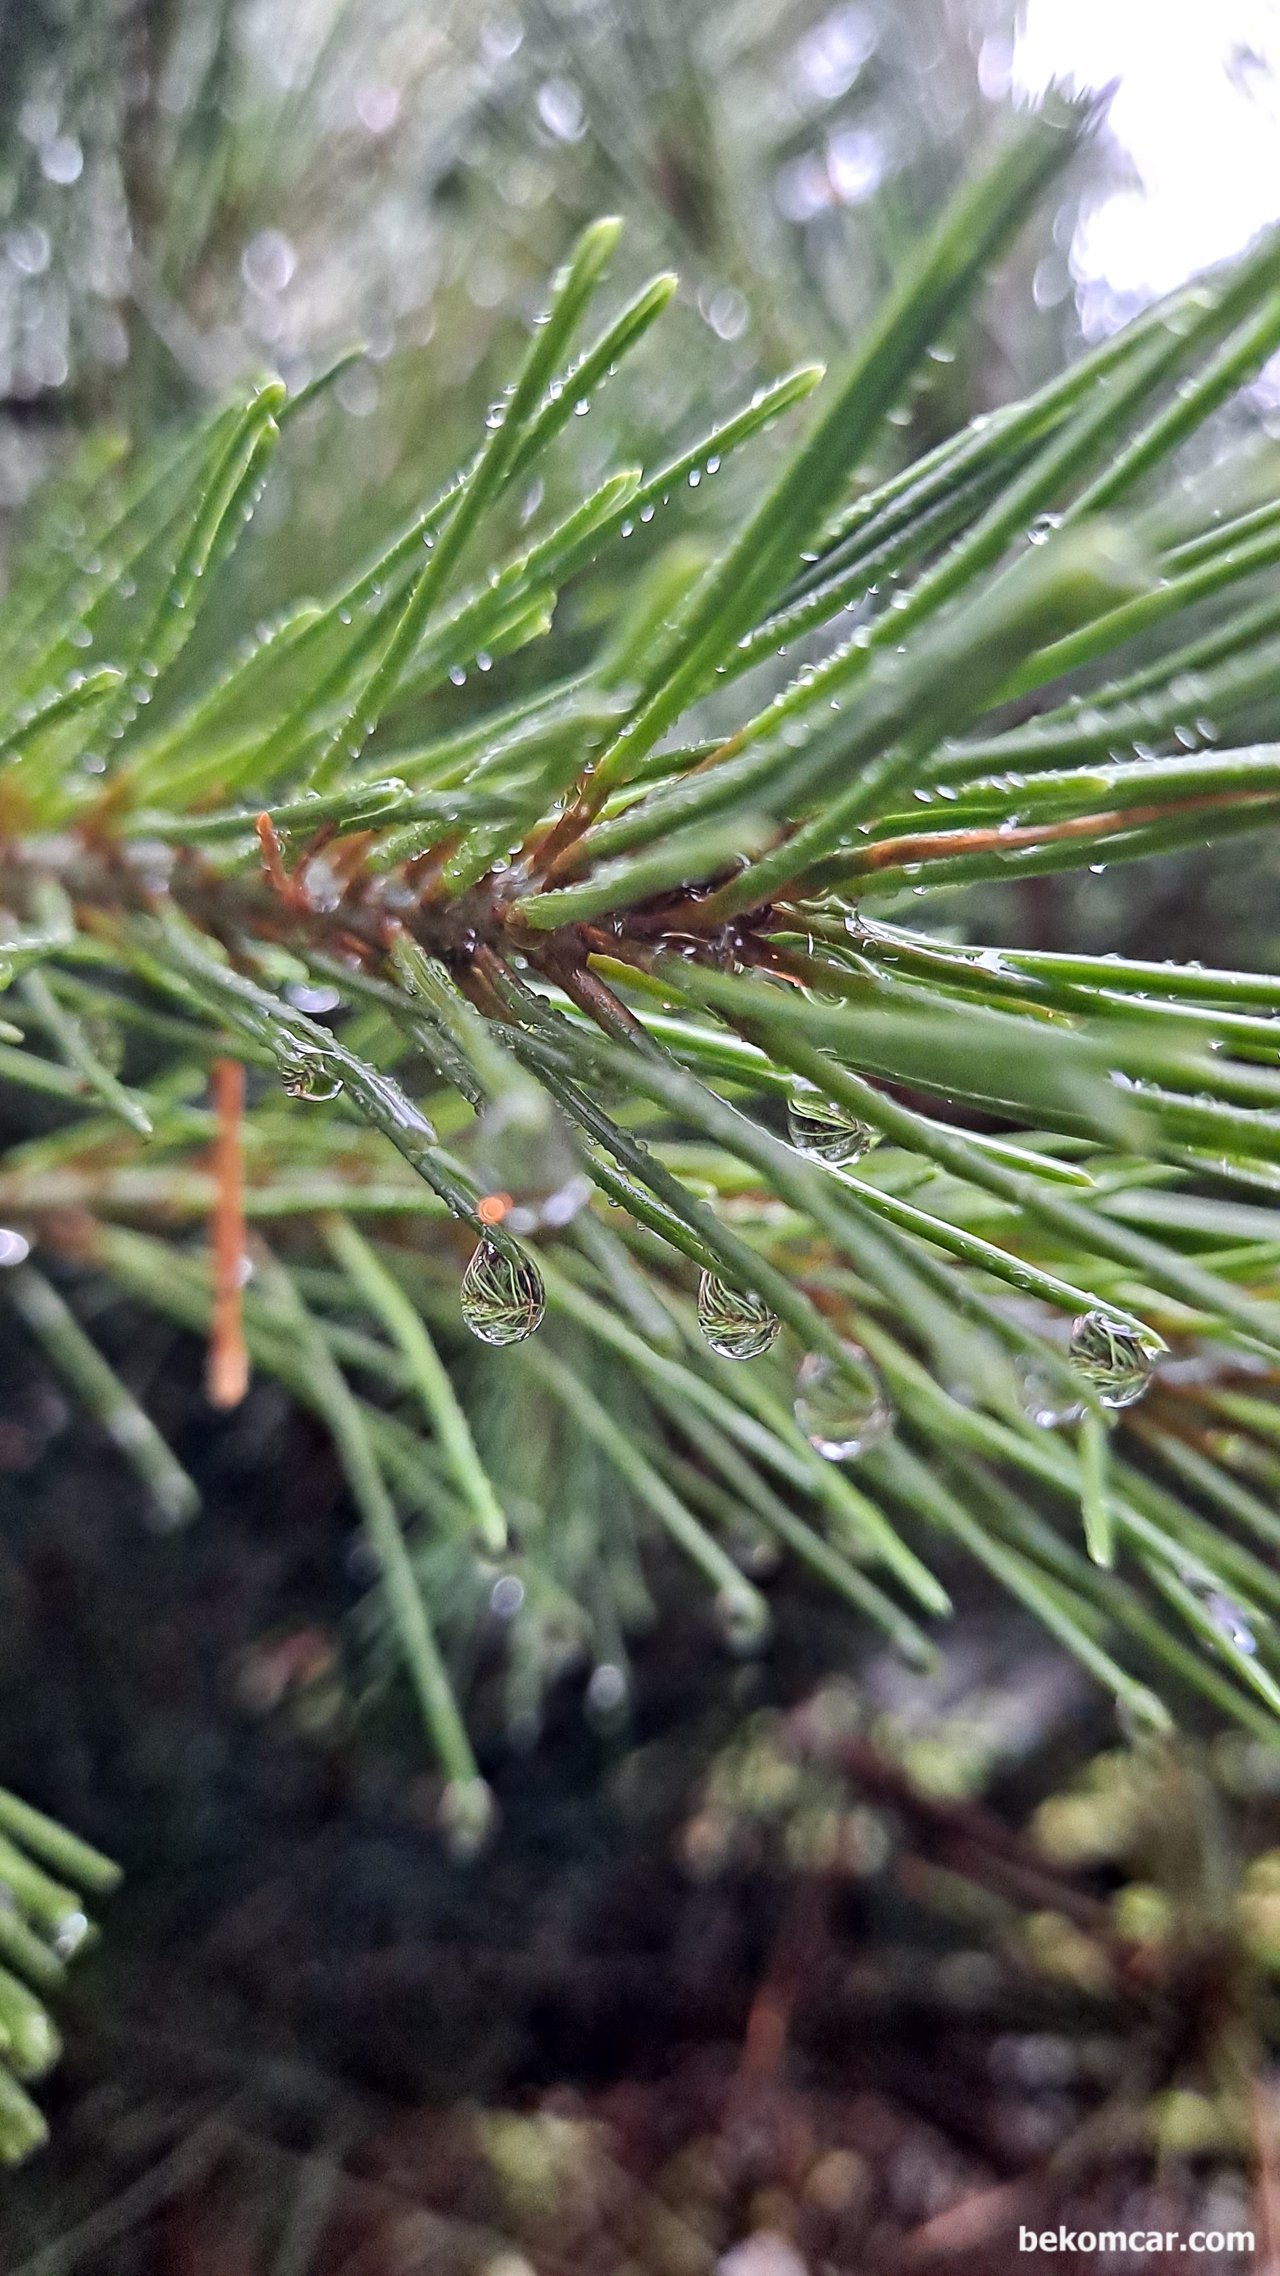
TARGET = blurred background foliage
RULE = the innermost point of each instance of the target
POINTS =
(195, 191)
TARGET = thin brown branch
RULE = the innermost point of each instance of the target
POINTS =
(228, 1363)
(941, 845)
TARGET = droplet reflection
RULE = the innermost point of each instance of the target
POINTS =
(735, 1321)
(1117, 1360)
(824, 1131)
(502, 1297)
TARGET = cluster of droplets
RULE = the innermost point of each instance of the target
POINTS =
(841, 1405)
(735, 1321)
(502, 1296)
(824, 1131)
(843, 1410)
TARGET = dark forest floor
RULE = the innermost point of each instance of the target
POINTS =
(734, 1989)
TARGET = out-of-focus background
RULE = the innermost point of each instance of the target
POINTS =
(716, 1992)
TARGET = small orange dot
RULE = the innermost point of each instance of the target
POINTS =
(493, 1208)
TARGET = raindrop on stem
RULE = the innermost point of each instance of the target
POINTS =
(502, 1297)
(735, 1321)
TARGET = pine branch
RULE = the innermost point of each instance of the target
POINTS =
(573, 1017)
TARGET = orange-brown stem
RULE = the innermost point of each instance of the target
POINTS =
(227, 1375)
(941, 845)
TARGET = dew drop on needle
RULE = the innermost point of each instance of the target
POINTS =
(824, 1131)
(1044, 1400)
(1117, 1360)
(306, 1073)
(743, 1621)
(844, 1411)
(735, 1321)
(502, 1297)
(1230, 1622)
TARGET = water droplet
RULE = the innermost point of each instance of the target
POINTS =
(1117, 1360)
(506, 1596)
(502, 1297)
(606, 1692)
(841, 1417)
(1045, 1400)
(70, 1934)
(743, 1622)
(305, 1072)
(824, 1131)
(313, 997)
(1230, 1622)
(1043, 527)
(735, 1321)
(468, 1818)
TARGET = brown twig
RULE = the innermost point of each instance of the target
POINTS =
(942, 845)
(792, 1966)
(227, 1375)
(963, 1837)
(273, 860)
(596, 998)
(1266, 2135)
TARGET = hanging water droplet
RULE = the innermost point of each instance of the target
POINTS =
(1140, 1716)
(735, 1321)
(606, 1692)
(468, 1817)
(305, 1072)
(70, 1934)
(1043, 527)
(1045, 1400)
(1230, 1622)
(502, 1297)
(105, 1041)
(842, 1414)
(752, 1549)
(743, 1622)
(824, 1131)
(1117, 1360)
